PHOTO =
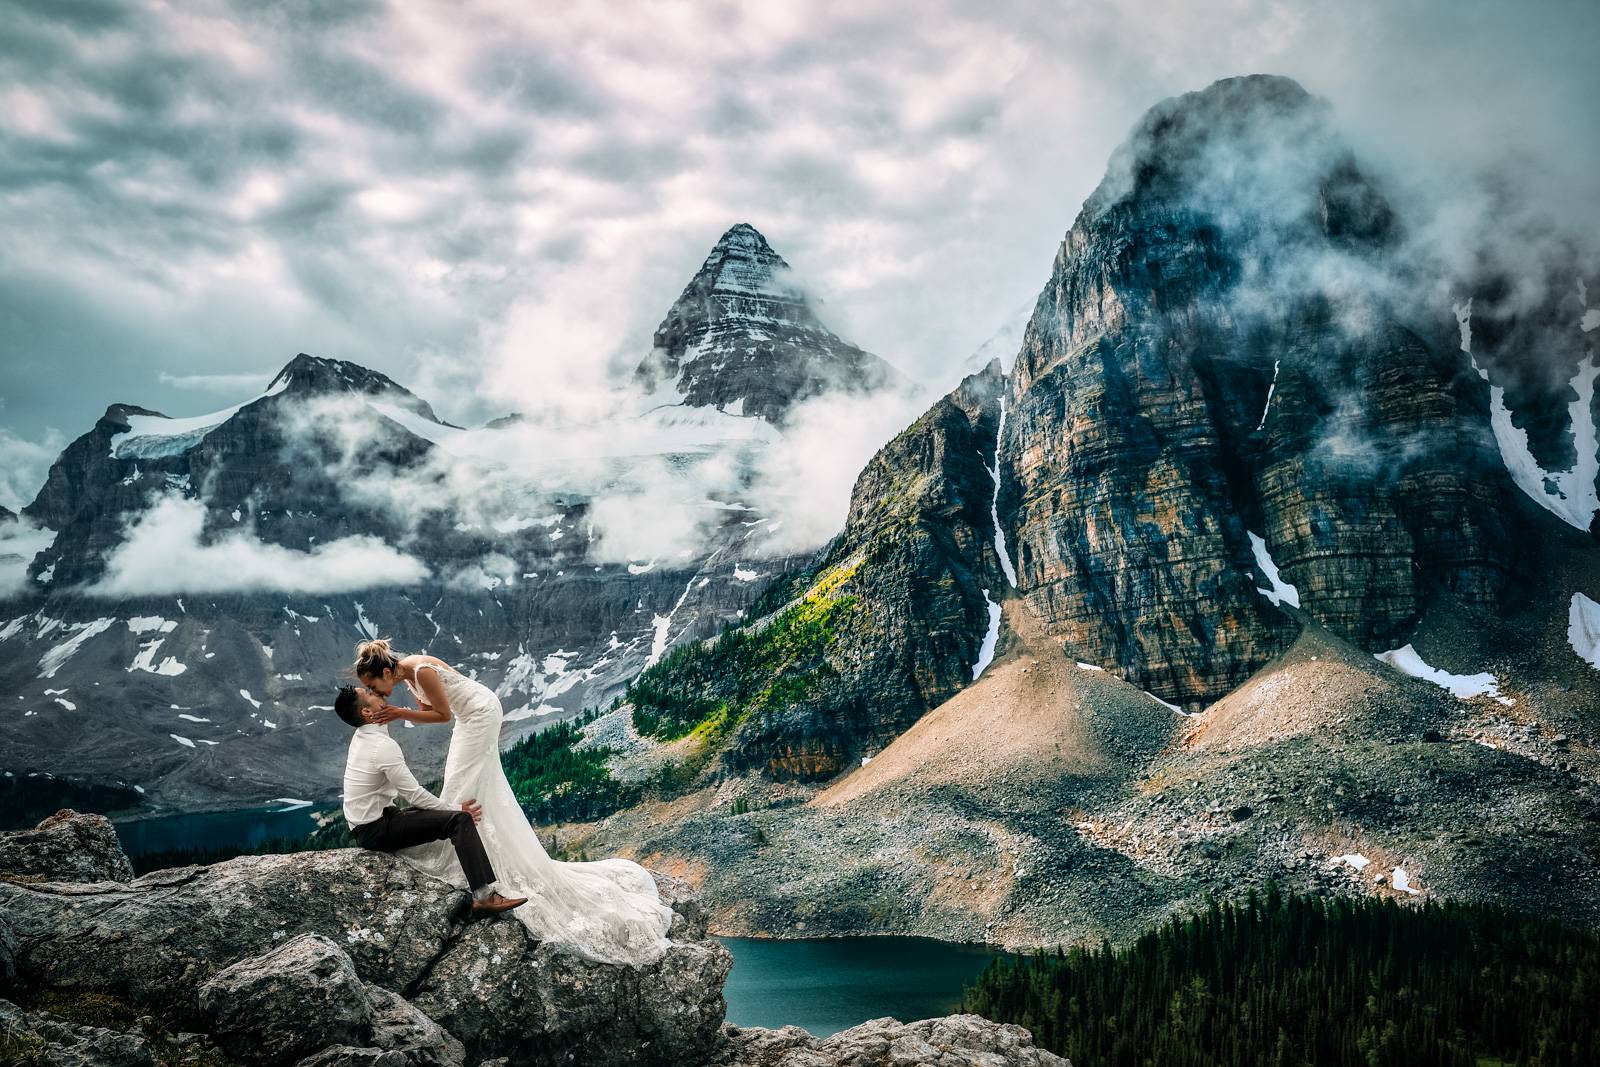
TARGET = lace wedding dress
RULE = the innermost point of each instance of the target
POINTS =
(608, 910)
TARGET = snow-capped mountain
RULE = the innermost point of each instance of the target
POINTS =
(191, 587)
(743, 338)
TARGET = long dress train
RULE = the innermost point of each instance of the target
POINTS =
(608, 910)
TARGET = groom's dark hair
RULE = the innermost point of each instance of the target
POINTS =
(346, 707)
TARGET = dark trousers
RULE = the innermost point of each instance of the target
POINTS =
(396, 829)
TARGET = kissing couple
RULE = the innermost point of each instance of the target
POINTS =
(476, 836)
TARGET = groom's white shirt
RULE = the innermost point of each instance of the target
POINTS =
(375, 772)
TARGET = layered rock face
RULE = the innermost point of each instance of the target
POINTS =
(1224, 407)
(743, 338)
(1189, 379)
(918, 557)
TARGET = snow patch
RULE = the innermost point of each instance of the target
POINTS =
(1408, 661)
(1352, 859)
(1568, 494)
(192, 718)
(990, 639)
(363, 624)
(146, 660)
(253, 701)
(1266, 407)
(144, 624)
(1583, 629)
(1082, 666)
(994, 501)
(745, 575)
(1170, 707)
(1402, 881)
(152, 436)
(53, 660)
(184, 741)
(1281, 592)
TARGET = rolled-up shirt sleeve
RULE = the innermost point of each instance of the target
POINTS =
(406, 784)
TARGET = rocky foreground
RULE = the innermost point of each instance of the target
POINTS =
(349, 958)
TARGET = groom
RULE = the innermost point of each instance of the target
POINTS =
(375, 772)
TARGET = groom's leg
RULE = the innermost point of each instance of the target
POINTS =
(417, 826)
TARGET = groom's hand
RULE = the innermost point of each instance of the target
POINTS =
(474, 809)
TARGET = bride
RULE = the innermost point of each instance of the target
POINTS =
(608, 910)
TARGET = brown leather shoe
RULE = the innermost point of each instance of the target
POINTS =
(494, 903)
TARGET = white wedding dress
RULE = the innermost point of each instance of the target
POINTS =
(608, 910)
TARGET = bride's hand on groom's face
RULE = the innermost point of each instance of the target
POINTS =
(387, 713)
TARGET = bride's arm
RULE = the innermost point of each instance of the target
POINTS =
(434, 705)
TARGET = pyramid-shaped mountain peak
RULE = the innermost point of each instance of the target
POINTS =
(742, 235)
(744, 338)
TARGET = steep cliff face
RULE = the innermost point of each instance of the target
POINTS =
(1226, 417)
(889, 621)
(743, 338)
(1197, 376)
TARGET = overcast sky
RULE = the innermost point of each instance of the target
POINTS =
(489, 200)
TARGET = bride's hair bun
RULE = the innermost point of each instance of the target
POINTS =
(374, 657)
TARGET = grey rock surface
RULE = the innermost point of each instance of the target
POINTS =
(506, 994)
(66, 847)
(36, 1039)
(398, 1026)
(301, 996)
(952, 1041)
(353, 957)
(155, 940)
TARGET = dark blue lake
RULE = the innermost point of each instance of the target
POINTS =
(213, 829)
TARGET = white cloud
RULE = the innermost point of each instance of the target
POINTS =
(804, 485)
(164, 553)
(23, 466)
(20, 541)
(404, 183)
(217, 383)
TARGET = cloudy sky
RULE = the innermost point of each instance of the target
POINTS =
(495, 202)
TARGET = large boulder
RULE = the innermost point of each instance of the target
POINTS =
(506, 995)
(399, 1026)
(66, 847)
(952, 1041)
(39, 1040)
(302, 996)
(262, 950)
(156, 940)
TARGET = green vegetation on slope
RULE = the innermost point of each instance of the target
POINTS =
(1311, 982)
(706, 689)
(555, 781)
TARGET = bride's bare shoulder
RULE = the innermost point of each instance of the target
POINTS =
(419, 658)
